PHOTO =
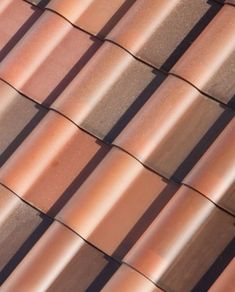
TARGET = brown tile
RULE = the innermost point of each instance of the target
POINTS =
(108, 92)
(226, 281)
(104, 13)
(187, 245)
(214, 174)
(47, 58)
(61, 261)
(16, 19)
(126, 279)
(20, 227)
(165, 28)
(18, 116)
(232, 2)
(209, 62)
(52, 163)
(169, 145)
(123, 198)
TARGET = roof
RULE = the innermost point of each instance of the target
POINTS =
(117, 149)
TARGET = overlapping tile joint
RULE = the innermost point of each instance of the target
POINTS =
(117, 145)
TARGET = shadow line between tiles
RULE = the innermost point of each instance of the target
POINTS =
(211, 12)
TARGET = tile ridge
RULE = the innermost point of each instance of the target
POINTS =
(148, 63)
(90, 134)
(74, 232)
(216, 205)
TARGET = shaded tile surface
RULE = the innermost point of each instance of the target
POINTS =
(71, 259)
(16, 19)
(190, 225)
(18, 117)
(36, 65)
(54, 146)
(165, 28)
(209, 62)
(104, 106)
(114, 174)
(134, 195)
(163, 146)
(20, 227)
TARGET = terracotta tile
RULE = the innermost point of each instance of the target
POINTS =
(165, 28)
(104, 13)
(108, 92)
(16, 19)
(37, 65)
(123, 202)
(18, 116)
(127, 279)
(187, 245)
(209, 62)
(61, 261)
(214, 174)
(52, 163)
(170, 146)
(20, 227)
(226, 281)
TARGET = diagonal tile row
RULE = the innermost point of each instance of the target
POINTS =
(87, 100)
(111, 197)
(187, 226)
(208, 64)
(63, 153)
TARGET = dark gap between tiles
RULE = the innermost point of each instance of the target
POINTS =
(135, 107)
(191, 36)
(231, 103)
(115, 18)
(23, 134)
(39, 3)
(217, 268)
(72, 72)
(25, 248)
(204, 93)
(218, 206)
(104, 276)
(78, 181)
(169, 62)
(201, 147)
(21, 32)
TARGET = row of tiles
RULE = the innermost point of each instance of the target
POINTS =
(53, 258)
(203, 158)
(42, 72)
(65, 258)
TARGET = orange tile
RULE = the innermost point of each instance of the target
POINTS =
(226, 281)
(183, 243)
(127, 279)
(183, 125)
(47, 58)
(52, 163)
(214, 174)
(20, 227)
(165, 28)
(104, 14)
(18, 117)
(209, 62)
(108, 92)
(16, 18)
(58, 262)
(123, 198)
